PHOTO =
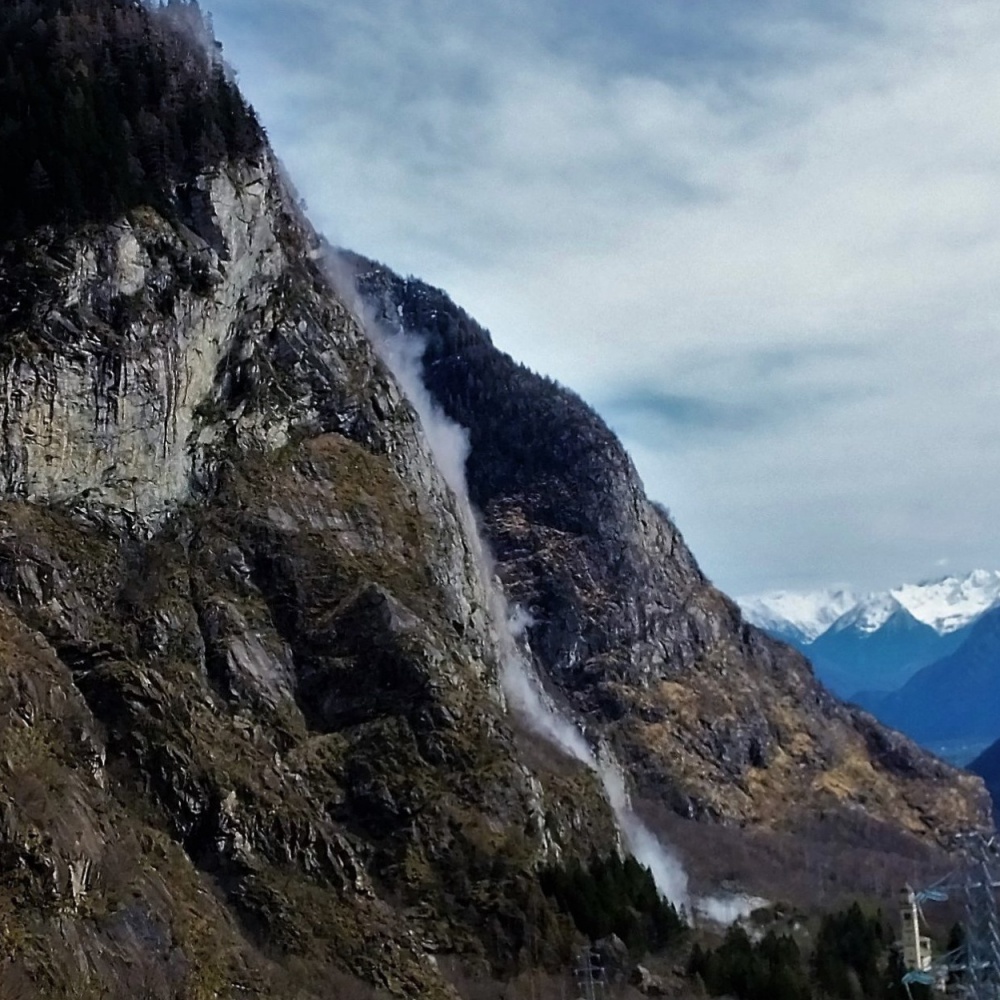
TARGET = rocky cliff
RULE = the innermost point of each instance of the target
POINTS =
(251, 731)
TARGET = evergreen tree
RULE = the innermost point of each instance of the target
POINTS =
(848, 961)
(108, 104)
(770, 970)
(614, 896)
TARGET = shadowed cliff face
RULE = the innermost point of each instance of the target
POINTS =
(717, 721)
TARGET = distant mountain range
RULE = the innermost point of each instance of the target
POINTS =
(797, 617)
(876, 643)
(924, 658)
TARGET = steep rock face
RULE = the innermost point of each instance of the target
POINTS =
(141, 347)
(716, 719)
(104, 373)
(248, 646)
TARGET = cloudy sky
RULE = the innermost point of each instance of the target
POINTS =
(763, 239)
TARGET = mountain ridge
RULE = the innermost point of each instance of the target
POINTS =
(987, 766)
(954, 698)
(944, 603)
(882, 639)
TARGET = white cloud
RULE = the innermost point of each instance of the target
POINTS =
(622, 224)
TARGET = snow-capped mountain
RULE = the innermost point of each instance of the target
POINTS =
(953, 602)
(877, 646)
(946, 605)
(797, 617)
(877, 642)
(868, 615)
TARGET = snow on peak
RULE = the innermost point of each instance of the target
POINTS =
(810, 613)
(869, 614)
(951, 603)
(945, 605)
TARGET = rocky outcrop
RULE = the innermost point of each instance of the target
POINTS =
(109, 370)
(648, 984)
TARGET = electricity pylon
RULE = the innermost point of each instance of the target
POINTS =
(975, 966)
(589, 975)
(982, 918)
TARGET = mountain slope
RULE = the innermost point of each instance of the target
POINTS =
(714, 717)
(987, 766)
(100, 114)
(878, 644)
(956, 698)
